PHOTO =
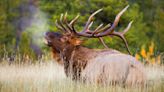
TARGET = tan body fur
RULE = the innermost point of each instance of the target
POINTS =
(104, 67)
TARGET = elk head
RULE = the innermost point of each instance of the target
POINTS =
(59, 42)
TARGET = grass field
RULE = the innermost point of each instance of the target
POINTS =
(50, 77)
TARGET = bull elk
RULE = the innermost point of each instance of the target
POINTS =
(105, 66)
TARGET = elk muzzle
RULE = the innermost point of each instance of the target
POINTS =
(47, 40)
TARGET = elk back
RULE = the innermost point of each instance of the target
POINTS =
(114, 68)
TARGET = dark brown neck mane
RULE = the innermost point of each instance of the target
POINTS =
(74, 59)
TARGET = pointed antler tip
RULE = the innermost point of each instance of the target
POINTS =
(78, 15)
(99, 10)
(127, 6)
(131, 22)
(66, 13)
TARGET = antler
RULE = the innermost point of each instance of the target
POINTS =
(99, 32)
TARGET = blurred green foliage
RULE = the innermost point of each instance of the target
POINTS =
(147, 16)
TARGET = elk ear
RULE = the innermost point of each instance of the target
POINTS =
(75, 41)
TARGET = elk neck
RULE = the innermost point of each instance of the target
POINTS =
(63, 53)
(56, 56)
(75, 59)
(75, 53)
(67, 55)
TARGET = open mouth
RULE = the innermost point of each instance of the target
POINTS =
(47, 41)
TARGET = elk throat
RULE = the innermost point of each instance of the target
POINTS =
(74, 61)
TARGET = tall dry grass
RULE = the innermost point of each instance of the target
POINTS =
(50, 77)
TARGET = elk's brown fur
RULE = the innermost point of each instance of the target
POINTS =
(105, 66)
(56, 56)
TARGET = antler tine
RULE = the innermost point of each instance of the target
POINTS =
(89, 20)
(66, 22)
(61, 23)
(58, 26)
(97, 29)
(65, 17)
(111, 29)
(121, 35)
(100, 38)
(123, 38)
(104, 28)
(87, 30)
(74, 20)
(93, 32)
(102, 41)
(71, 24)
(128, 27)
(101, 29)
